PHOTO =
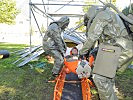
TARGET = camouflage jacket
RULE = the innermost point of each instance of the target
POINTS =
(107, 27)
(53, 40)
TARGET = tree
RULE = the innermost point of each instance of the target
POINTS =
(43, 30)
(8, 11)
(128, 10)
(85, 9)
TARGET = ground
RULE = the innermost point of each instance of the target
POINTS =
(124, 83)
(30, 82)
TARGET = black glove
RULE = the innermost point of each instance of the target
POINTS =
(94, 52)
(82, 57)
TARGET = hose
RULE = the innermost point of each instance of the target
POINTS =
(113, 7)
(120, 13)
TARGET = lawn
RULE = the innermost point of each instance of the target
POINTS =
(29, 83)
(24, 83)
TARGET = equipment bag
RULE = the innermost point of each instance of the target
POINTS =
(4, 54)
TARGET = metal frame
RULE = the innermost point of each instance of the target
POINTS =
(33, 6)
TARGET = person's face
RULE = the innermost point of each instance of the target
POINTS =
(64, 26)
(74, 52)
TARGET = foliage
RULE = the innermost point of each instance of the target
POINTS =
(8, 11)
(123, 82)
(85, 9)
(82, 28)
(43, 30)
(128, 10)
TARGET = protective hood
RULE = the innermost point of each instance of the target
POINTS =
(92, 11)
(63, 21)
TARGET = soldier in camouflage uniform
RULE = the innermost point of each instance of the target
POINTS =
(107, 27)
(53, 43)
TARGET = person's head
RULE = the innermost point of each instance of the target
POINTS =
(90, 14)
(74, 51)
(63, 22)
(85, 20)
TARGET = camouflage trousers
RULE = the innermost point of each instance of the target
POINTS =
(105, 87)
(58, 61)
(125, 59)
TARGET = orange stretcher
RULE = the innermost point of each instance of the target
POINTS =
(60, 80)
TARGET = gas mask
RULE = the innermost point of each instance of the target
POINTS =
(85, 20)
(63, 22)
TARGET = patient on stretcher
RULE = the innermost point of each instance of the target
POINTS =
(79, 67)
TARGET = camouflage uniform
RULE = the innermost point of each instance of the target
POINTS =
(53, 43)
(107, 27)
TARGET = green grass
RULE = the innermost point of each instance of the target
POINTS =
(124, 82)
(24, 83)
(28, 83)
